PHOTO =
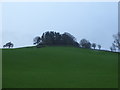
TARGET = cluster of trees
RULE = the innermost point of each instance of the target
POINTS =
(86, 44)
(55, 38)
(66, 39)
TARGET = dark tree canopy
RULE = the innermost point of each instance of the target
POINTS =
(51, 38)
(68, 39)
(55, 38)
(85, 43)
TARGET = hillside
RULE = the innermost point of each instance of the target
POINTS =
(59, 67)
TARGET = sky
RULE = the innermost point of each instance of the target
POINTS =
(94, 21)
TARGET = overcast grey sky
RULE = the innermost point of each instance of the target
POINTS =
(94, 21)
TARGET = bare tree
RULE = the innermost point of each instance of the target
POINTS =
(117, 41)
(113, 48)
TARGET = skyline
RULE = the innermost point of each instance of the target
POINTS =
(96, 22)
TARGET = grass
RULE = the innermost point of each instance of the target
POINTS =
(59, 67)
(0, 69)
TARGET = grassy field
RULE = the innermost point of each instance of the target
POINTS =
(59, 67)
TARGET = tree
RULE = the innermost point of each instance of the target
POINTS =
(117, 41)
(113, 48)
(9, 45)
(85, 43)
(94, 45)
(68, 39)
(99, 46)
(36, 40)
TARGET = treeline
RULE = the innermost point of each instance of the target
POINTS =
(51, 38)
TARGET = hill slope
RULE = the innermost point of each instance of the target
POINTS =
(59, 67)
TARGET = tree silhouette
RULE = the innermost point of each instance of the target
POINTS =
(117, 40)
(36, 40)
(9, 45)
(99, 46)
(113, 48)
(94, 45)
(85, 43)
(68, 39)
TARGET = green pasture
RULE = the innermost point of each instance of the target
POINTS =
(59, 67)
